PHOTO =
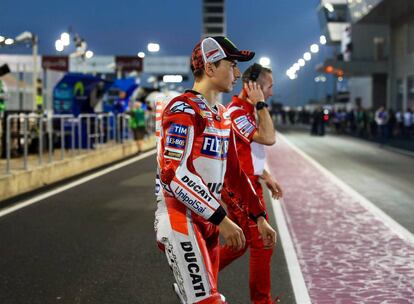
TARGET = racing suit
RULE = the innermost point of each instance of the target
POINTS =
(196, 155)
(252, 157)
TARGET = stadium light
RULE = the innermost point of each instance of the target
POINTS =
(314, 48)
(88, 54)
(59, 45)
(329, 7)
(65, 38)
(264, 61)
(153, 47)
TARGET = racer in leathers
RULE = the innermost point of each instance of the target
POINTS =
(196, 155)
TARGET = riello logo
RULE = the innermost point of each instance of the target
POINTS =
(194, 269)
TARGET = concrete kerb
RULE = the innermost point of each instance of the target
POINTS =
(19, 182)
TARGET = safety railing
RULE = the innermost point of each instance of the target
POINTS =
(73, 134)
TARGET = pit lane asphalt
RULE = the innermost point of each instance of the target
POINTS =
(94, 243)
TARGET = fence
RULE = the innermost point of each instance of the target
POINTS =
(41, 134)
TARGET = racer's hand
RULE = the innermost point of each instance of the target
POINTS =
(273, 186)
(254, 92)
(267, 232)
(232, 234)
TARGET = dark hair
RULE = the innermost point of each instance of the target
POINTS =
(199, 73)
(253, 72)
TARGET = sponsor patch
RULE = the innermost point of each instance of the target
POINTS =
(181, 194)
(244, 126)
(181, 106)
(173, 154)
(197, 188)
(221, 132)
(212, 54)
(175, 142)
(206, 114)
(215, 146)
(202, 105)
(194, 269)
(215, 187)
(226, 115)
(176, 129)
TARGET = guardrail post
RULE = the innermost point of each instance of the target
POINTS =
(25, 123)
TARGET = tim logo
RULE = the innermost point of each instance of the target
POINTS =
(215, 146)
(177, 129)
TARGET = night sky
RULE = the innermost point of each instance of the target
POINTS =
(279, 29)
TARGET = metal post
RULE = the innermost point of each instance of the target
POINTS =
(50, 137)
(72, 141)
(96, 131)
(126, 126)
(40, 139)
(20, 89)
(108, 125)
(102, 129)
(88, 132)
(35, 72)
(79, 133)
(25, 142)
(118, 127)
(62, 138)
(113, 127)
(8, 141)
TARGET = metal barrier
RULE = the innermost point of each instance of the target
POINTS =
(62, 119)
(106, 128)
(101, 120)
(122, 125)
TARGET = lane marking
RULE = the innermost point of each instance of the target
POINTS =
(74, 184)
(297, 280)
(402, 232)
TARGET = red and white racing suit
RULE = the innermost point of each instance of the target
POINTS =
(196, 155)
(252, 157)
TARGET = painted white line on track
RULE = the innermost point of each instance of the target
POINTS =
(296, 277)
(74, 184)
(402, 232)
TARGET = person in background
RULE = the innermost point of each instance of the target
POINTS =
(252, 134)
(381, 118)
(137, 124)
(408, 119)
(400, 123)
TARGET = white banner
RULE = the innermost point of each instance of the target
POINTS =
(96, 64)
(167, 65)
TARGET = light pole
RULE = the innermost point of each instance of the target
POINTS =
(153, 48)
(33, 39)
